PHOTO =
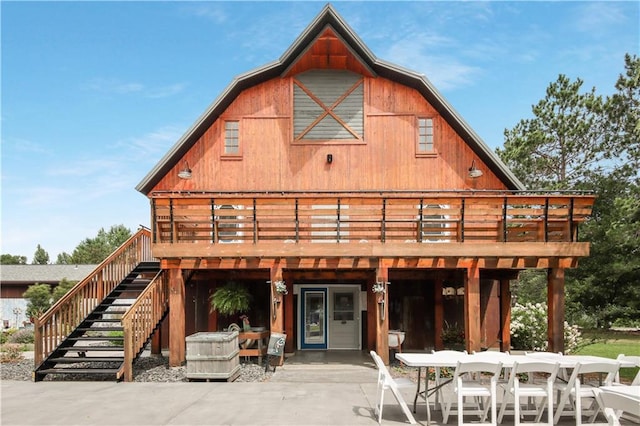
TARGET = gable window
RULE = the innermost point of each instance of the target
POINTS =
(232, 138)
(328, 105)
(425, 136)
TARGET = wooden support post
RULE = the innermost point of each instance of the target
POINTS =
(177, 331)
(382, 315)
(288, 316)
(438, 314)
(555, 306)
(472, 309)
(505, 315)
(277, 305)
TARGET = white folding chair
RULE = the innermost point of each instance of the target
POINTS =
(477, 379)
(616, 404)
(549, 356)
(386, 382)
(439, 400)
(633, 359)
(574, 391)
(541, 377)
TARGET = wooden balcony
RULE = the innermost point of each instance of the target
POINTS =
(368, 224)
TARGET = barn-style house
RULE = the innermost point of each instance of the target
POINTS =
(350, 199)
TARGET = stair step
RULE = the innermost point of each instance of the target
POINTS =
(109, 348)
(100, 329)
(97, 338)
(79, 371)
(95, 320)
(75, 359)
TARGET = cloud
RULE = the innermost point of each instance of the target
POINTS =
(113, 86)
(419, 52)
(211, 12)
(166, 91)
(23, 146)
(152, 144)
(116, 87)
(597, 17)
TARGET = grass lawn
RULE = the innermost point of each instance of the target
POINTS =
(609, 344)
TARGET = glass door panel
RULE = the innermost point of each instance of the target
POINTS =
(314, 327)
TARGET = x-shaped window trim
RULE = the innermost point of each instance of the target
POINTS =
(328, 110)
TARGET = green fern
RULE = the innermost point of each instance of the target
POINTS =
(232, 298)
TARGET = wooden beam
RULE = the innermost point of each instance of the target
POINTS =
(289, 308)
(505, 315)
(382, 316)
(438, 313)
(264, 250)
(555, 306)
(177, 332)
(472, 329)
(277, 305)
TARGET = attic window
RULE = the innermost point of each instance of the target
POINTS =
(425, 137)
(232, 138)
(328, 106)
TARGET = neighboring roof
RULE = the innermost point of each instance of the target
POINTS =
(328, 17)
(45, 274)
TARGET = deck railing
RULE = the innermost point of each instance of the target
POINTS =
(468, 217)
(141, 319)
(72, 308)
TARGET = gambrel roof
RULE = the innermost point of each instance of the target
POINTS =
(328, 18)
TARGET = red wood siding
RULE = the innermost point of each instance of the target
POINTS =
(386, 161)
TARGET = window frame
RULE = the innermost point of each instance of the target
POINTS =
(358, 139)
(418, 144)
(231, 155)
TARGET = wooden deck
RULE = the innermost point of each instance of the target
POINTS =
(368, 224)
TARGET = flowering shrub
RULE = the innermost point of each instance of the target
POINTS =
(529, 329)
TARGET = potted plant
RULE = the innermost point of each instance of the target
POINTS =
(230, 299)
(453, 336)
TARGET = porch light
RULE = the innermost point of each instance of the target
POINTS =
(185, 173)
(473, 171)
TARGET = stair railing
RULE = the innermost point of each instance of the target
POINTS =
(71, 309)
(141, 319)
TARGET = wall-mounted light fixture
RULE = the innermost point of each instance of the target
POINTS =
(473, 171)
(329, 158)
(185, 173)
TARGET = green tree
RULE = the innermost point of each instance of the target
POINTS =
(563, 145)
(62, 288)
(11, 259)
(623, 115)
(38, 299)
(64, 258)
(40, 257)
(579, 141)
(95, 250)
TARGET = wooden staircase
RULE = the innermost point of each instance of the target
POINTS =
(95, 349)
(98, 329)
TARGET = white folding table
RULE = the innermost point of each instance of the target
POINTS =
(450, 359)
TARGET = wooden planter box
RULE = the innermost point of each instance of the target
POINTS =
(213, 356)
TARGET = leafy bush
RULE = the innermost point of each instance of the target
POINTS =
(4, 336)
(626, 322)
(38, 299)
(24, 335)
(10, 353)
(529, 329)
